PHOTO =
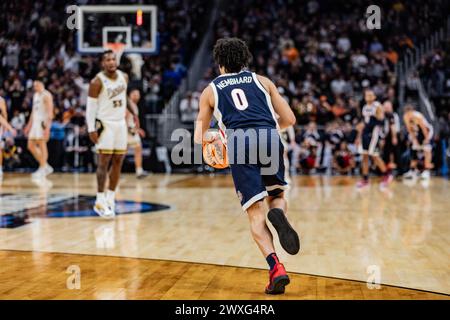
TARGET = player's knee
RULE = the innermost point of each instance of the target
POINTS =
(256, 211)
(30, 146)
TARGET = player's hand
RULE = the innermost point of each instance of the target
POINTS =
(26, 130)
(13, 132)
(47, 134)
(93, 136)
(210, 136)
(394, 140)
(141, 132)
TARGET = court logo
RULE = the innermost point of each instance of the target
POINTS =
(373, 14)
(20, 209)
(73, 282)
(374, 279)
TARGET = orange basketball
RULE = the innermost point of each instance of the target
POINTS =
(215, 152)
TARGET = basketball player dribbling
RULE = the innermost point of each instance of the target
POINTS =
(4, 126)
(240, 99)
(107, 127)
(38, 128)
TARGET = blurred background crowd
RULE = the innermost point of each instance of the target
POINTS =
(319, 53)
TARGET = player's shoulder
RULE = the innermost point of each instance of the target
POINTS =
(124, 74)
(47, 93)
(97, 79)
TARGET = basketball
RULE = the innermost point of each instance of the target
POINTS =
(215, 151)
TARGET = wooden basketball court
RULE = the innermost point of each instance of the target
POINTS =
(185, 237)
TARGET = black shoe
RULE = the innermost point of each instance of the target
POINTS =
(289, 239)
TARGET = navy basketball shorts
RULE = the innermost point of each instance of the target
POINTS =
(257, 164)
(370, 142)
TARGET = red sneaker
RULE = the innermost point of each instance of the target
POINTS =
(278, 280)
(387, 179)
(362, 184)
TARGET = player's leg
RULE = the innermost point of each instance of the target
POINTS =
(427, 161)
(33, 147)
(260, 232)
(101, 206)
(387, 176)
(364, 171)
(114, 177)
(105, 150)
(140, 172)
(366, 142)
(42, 145)
(120, 148)
(1, 159)
(273, 177)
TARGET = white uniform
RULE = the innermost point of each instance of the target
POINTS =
(40, 116)
(111, 123)
(133, 136)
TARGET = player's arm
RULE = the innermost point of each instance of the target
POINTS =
(359, 130)
(424, 129)
(27, 127)
(205, 114)
(129, 102)
(92, 107)
(282, 108)
(409, 129)
(48, 105)
(379, 113)
(4, 116)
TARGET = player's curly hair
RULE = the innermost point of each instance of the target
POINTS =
(232, 54)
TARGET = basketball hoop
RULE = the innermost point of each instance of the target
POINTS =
(118, 48)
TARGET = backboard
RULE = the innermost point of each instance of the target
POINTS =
(135, 26)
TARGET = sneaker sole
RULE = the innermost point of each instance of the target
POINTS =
(279, 284)
(102, 215)
(289, 239)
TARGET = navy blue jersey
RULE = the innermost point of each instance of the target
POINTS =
(242, 102)
(370, 120)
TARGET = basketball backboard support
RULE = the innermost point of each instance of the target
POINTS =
(135, 26)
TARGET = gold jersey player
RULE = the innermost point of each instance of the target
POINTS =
(107, 127)
(244, 101)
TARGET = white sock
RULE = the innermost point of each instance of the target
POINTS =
(110, 195)
(100, 196)
(139, 171)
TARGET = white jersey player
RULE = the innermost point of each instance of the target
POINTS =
(107, 127)
(135, 132)
(38, 128)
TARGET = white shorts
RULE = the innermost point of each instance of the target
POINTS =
(37, 130)
(133, 140)
(112, 137)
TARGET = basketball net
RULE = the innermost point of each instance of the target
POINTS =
(118, 48)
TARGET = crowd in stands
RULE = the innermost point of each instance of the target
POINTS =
(322, 56)
(36, 42)
(319, 53)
